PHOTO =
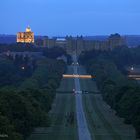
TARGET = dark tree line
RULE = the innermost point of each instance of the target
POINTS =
(121, 56)
(19, 48)
(56, 52)
(15, 70)
(53, 52)
(26, 107)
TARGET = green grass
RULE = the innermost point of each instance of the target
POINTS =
(70, 70)
(67, 85)
(102, 126)
(58, 129)
(91, 121)
(90, 85)
(87, 84)
(102, 123)
(63, 104)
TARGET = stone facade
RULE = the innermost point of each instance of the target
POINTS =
(79, 44)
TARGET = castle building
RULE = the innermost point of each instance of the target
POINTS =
(80, 44)
(25, 37)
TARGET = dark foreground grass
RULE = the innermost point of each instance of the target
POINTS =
(59, 129)
(102, 122)
(102, 125)
(64, 103)
(109, 131)
(67, 85)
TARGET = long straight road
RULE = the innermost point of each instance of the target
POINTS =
(83, 131)
(100, 119)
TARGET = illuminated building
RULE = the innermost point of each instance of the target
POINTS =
(25, 37)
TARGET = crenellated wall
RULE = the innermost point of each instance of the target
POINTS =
(79, 44)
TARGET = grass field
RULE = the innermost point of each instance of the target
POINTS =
(63, 104)
(102, 121)
(87, 84)
(59, 129)
(67, 85)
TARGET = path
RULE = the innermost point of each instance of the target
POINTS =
(83, 131)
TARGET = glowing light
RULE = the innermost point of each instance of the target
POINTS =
(132, 68)
(28, 29)
(23, 68)
(25, 37)
(75, 63)
(137, 79)
(78, 76)
(134, 76)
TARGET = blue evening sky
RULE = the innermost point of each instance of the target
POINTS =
(70, 17)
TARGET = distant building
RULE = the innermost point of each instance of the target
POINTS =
(25, 37)
(116, 40)
(80, 44)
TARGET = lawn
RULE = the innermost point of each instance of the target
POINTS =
(67, 84)
(63, 104)
(102, 121)
(59, 129)
(87, 84)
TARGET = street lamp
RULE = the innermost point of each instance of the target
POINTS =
(23, 68)
(132, 68)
